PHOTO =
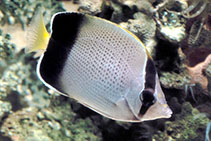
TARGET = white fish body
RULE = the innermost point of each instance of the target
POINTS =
(103, 67)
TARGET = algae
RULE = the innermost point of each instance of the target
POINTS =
(188, 125)
(57, 122)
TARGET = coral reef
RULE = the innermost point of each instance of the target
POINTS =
(6, 57)
(57, 122)
(178, 39)
(90, 6)
(171, 25)
(190, 124)
(6, 51)
(197, 73)
(144, 27)
(16, 11)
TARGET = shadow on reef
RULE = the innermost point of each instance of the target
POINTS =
(4, 138)
(166, 56)
(15, 101)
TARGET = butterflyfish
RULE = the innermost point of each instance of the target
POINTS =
(101, 65)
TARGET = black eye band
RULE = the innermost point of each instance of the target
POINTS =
(147, 96)
(150, 75)
(148, 99)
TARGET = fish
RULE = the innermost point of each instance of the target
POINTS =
(99, 64)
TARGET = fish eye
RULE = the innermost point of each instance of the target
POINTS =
(148, 99)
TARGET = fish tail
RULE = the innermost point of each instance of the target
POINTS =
(37, 36)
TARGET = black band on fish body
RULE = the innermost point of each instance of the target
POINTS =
(65, 28)
(147, 95)
(150, 78)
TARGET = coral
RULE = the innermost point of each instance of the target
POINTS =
(170, 25)
(6, 50)
(57, 122)
(5, 109)
(144, 28)
(117, 12)
(16, 11)
(6, 58)
(175, 80)
(198, 35)
(197, 71)
(208, 71)
(190, 124)
(141, 5)
(90, 6)
(172, 70)
(19, 79)
(196, 8)
(196, 45)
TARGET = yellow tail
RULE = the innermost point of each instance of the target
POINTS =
(37, 35)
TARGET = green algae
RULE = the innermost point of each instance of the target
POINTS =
(188, 125)
(175, 80)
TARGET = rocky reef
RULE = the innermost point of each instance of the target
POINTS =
(12, 12)
(56, 122)
(190, 124)
(30, 111)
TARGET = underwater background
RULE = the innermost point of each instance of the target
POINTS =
(177, 33)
